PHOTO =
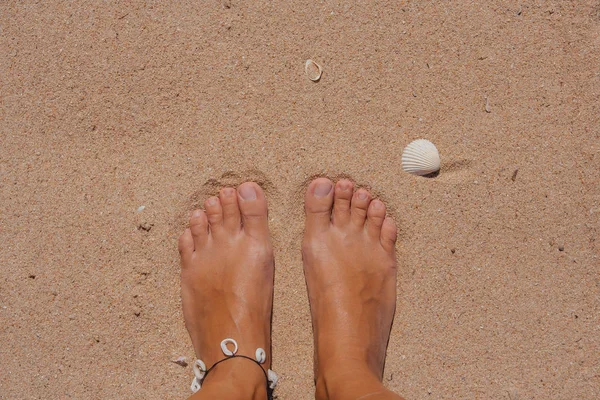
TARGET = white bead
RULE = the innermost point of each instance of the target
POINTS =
(261, 355)
(224, 348)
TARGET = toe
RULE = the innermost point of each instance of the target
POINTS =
(359, 206)
(253, 206)
(199, 228)
(186, 246)
(389, 233)
(342, 197)
(375, 218)
(317, 204)
(214, 213)
(231, 209)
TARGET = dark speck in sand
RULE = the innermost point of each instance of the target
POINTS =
(145, 227)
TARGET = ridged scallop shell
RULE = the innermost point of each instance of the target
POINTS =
(420, 157)
(313, 70)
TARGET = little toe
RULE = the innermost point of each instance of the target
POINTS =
(342, 197)
(375, 218)
(186, 247)
(199, 228)
(317, 204)
(253, 207)
(389, 233)
(214, 213)
(231, 209)
(359, 206)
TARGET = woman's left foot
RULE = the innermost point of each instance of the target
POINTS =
(227, 280)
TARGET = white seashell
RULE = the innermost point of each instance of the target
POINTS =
(272, 377)
(199, 372)
(196, 385)
(224, 348)
(261, 355)
(313, 70)
(420, 157)
(199, 369)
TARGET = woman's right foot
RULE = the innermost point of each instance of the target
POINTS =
(350, 270)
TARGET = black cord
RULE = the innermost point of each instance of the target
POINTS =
(269, 390)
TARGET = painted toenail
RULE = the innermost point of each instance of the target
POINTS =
(362, 195)
(323, 189)
(196, 214)
(247, 192)
(212, 201)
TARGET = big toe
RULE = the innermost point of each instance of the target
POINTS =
(253, 208)
(318, 202)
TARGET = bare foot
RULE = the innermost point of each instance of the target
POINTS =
(227, 286)
(350, 269)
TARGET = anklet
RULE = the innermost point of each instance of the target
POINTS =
(201, 372)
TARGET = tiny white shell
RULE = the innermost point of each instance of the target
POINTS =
(313, 70)
(261, 355)
(420, 157)
(199, 368)
(196, 385)
(272, 378)
(224, 348)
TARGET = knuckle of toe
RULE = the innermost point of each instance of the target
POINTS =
(196, 222)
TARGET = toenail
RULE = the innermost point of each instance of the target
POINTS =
(247, 192)
(228, 192)
(323, 188)
(344, 186)
(378, 205)
(362, 195)
(212, 201)
(196, 213)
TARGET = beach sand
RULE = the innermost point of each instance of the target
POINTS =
(110, 106)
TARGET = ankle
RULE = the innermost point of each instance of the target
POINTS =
(238, 377)
(346, 380)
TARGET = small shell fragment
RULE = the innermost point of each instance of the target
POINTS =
(313, 70)
(420, 157)
(180, 361)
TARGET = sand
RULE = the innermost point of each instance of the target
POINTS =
(109, 106)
